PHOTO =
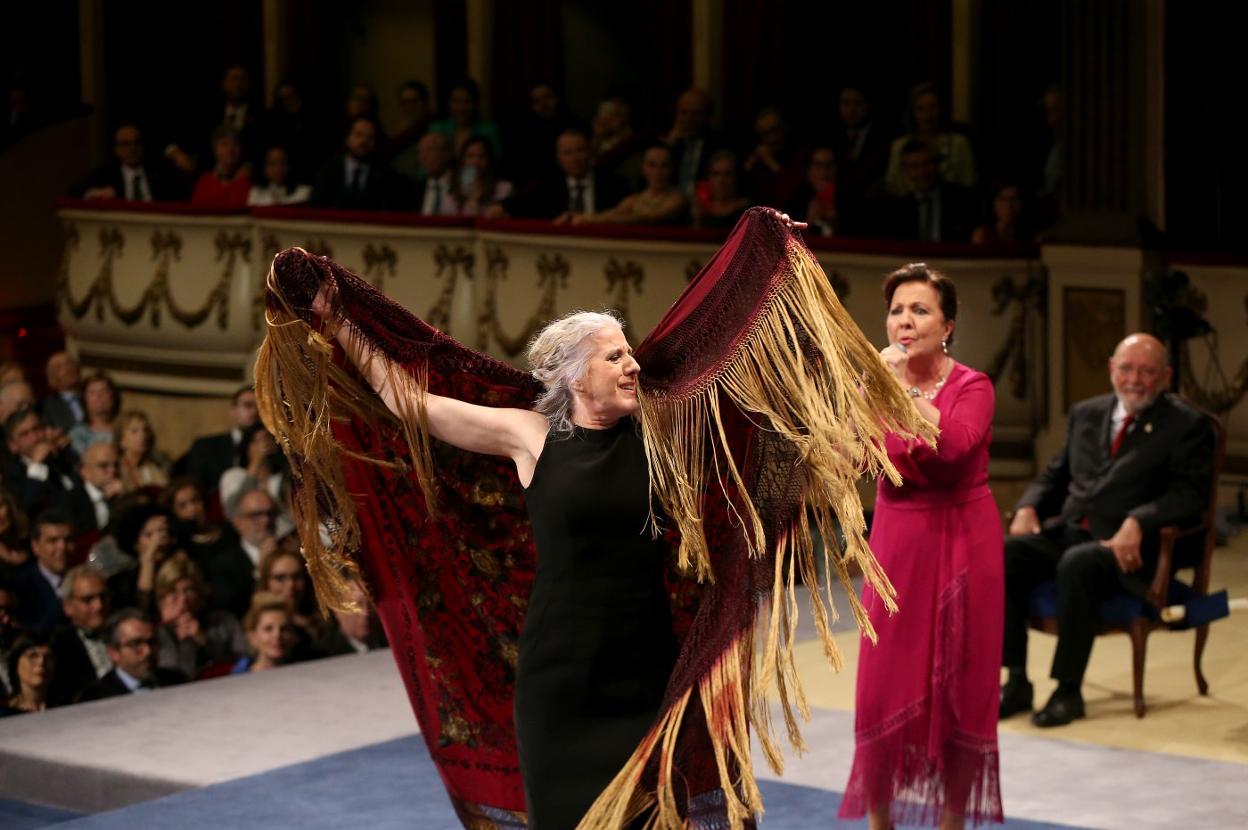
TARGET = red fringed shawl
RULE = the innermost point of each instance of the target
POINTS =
(761, 404)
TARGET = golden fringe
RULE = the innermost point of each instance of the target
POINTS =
(835, 408)
(294, 363)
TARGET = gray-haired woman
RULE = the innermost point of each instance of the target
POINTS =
(597, 647)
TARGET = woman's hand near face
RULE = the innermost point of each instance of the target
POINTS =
(895, 358)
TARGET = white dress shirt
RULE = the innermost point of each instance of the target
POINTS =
(99, 501)
(587, 193)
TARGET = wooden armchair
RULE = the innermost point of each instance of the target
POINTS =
(1181, 549)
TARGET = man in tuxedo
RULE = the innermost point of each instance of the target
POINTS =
(93, 500)
(62, 407)
(232, 571)
(40, 468)
(936, 210)
(861, 148)
(130, 176)
(355, 180)
(357, 632)
(79, 645)
(38, 582)
(691, 139)
(211, 455)
(1134, 461)
(132, 648)
(578, 190)
(435, 194)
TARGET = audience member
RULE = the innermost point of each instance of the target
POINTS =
(39, 468)
(79, 645)
(361, 103)
(717, 202)
(1135, 460)
(932, 210)
(660, 203)
(464, 120)
(101, 401)
(436, 192)
(142, 465)
(92, 504)
(211, 455)
(531, 149)
(776, 169)
(190, 637)
(284, 574)
(192, 530)
(144, 543)
(14, 547)
(232, 572)
(818, 203)
(271, 636)
(266, 469)
(290, 125)
(10, 372)
(32, 671)
(402, 151)
(15, 395)
(239, 114)
(39, 580)
(952, 150)
(130, 176)
(479, 185)
(578, 190)
(132, 648)
(355, 632)
(861, 147)
(228, 183)
(617, 147)
(691, 138)
(354, 180)
(1006, 221)
(278, 188)
(9, 632)
(63, 407)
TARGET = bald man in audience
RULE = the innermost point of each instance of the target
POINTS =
(1135, 460)
(93, 501)
(15, 395)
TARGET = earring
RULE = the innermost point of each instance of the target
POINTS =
(944, 346)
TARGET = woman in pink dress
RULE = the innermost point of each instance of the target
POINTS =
(926, 706)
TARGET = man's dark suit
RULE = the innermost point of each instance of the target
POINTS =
(553, 198)
(231, 578)
(35, 495)
(163, 184)
(40, 608)
(77, 503)
(957, 215)
(381, 189)
(74, 669)
(110, 685)
(209, 457)
(1160, 476)
(56, 412)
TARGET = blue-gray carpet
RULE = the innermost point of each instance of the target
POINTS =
(17, 815)
(383, 786)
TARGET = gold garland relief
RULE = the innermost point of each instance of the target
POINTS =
(552, 275)
(448, 263)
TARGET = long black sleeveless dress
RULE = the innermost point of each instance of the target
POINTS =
(597, 647)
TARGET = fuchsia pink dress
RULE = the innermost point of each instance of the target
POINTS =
(926, 710)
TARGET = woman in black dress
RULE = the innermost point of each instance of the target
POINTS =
(597, 647)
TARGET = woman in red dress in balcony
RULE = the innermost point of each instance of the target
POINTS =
(228, 184)
(926, 704)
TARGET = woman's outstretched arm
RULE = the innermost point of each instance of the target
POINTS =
(515, 433)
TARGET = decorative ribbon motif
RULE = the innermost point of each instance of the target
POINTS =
(552, 275)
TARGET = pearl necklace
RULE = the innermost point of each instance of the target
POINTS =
(916, 392)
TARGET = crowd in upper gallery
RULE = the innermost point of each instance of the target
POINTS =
(864, 174)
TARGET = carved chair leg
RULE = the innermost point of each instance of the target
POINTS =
(1202, 634)
(1139, 644)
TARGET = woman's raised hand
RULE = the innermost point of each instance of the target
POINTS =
(785, 218)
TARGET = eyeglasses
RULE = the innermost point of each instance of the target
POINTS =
(259, 514)
(137, 643)
(87, 599)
